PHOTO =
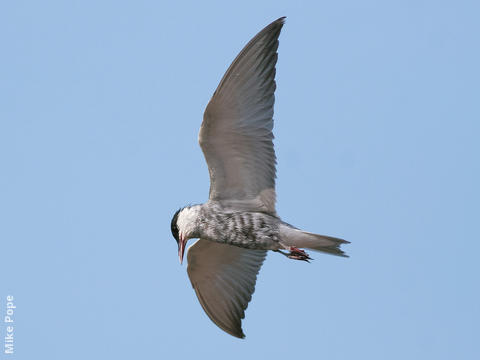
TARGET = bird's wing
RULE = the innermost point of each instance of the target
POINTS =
(224, 277)
(236, 133)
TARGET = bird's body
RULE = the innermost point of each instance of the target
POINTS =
(239, 222)
(246, 229)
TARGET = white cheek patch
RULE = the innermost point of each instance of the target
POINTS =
(187, 221)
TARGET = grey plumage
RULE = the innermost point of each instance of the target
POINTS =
(229, 270)
(236, 134)
(239, 222)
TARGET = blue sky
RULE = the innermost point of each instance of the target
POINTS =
(377, 137)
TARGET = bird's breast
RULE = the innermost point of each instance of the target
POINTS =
(250, 230)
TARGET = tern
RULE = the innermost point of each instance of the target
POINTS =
(239, 224)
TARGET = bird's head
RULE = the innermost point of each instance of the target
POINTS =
(184, 227)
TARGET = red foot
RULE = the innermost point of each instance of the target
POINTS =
(298, 254)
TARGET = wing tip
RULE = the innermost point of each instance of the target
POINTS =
(238, 334)
(279, 22)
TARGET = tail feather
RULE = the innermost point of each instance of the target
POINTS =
(303, 239)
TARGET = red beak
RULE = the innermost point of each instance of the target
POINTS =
(181, 248)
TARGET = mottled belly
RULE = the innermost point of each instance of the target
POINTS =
(244, 229)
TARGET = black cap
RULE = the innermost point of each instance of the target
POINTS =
(174, 226)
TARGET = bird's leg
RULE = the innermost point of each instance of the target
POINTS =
(296, 254)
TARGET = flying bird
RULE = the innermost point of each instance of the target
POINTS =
(239, 224)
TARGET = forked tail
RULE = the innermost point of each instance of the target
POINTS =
(303, 239)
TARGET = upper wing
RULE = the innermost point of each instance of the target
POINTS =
(236, 133)
(224, 277)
